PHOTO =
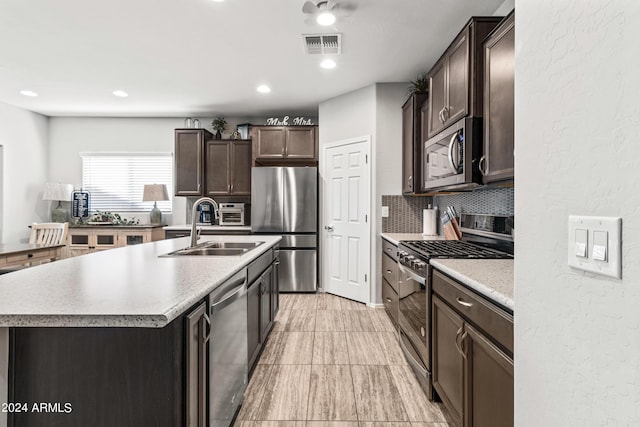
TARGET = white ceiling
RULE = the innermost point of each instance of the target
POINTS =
(199, 57)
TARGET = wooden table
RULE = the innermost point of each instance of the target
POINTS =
(17, 254)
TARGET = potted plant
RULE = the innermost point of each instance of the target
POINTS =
(219, 124)
(419, 85)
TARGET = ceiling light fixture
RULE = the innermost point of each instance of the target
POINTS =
(263, 89)
(28, 93)
(326, 18)
(328, 64)
(218, 1)
(120, 93)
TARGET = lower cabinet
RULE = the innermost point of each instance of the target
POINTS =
(390, 280)
(472, 356)
(110, 376)
(196, 330)
(262, 304)
(85, 240)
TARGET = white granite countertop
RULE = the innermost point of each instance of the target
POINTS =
(123, 287)
(492, 278)
(396, 237)
(187, 227)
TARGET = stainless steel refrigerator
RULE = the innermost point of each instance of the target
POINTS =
(284, 201)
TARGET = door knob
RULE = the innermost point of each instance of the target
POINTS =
(328, 228)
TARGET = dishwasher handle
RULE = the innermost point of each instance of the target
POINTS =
(238, 291)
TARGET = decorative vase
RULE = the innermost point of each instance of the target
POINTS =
(218, 135)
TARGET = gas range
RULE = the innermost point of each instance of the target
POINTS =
(484, 237)
(415, 254)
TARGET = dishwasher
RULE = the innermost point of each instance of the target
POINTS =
(228, 373)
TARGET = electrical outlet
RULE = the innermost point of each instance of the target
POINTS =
(385, 212)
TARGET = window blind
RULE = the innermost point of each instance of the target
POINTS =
(116, 180)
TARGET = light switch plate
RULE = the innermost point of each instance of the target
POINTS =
(385, 212)
(604, 244)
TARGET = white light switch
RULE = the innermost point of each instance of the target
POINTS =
(600, 245)
(595, 245)
(581, 242)
(385, 212)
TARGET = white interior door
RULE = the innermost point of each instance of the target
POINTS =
(346, 236)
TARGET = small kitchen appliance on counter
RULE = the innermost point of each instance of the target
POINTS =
(232, 214)
(483, 237)
(206, 216)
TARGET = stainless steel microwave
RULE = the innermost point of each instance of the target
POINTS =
(450, 159)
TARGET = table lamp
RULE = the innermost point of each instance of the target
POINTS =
(54, 191)
(153, 193)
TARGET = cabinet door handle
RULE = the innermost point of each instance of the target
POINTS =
(286, 151)
(463, 302)
(389, 300)
(459, 337)
(388, 271)
(463, 351)
(205, 323)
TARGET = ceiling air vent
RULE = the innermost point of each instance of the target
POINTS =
(319, 44)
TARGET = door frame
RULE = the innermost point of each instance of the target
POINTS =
(322, 163)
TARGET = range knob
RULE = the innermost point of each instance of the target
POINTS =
(408, 258)
(419, 265)
(401, 254)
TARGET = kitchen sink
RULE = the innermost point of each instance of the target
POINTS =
(215, 249)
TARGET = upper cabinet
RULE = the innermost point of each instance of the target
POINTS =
(228, 167)
(208, 167)
(283, 144)
(189, 161)
(456, 80)
(499, 68)
(412, 143)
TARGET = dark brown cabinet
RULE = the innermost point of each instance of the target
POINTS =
(291, 143)
(472, 356)
(456, 80)
(390, 280)
(497, 163)
(98, 369)
(448, 364)
(189, 161)
(412, 143)
(262, 303)
(204, 166)
(196, 366)
(228, 168)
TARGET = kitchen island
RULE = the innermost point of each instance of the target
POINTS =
(99, 339)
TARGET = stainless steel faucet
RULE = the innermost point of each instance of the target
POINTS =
(194, 213)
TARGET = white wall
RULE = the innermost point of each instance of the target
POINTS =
(70, 136)
(23, 136)
(577, 336)
(376, 111)
(505, 8)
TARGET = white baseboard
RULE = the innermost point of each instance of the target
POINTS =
(373, 305)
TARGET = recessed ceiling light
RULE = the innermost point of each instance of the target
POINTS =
(218, 1)
(326, 18)
(328, 64)
(28, 93)
(120, 93)
(263, 89)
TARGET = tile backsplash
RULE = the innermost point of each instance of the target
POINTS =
(497, 201)
(405, 213)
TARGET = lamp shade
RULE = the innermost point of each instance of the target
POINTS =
(57, 191)
(155, 192)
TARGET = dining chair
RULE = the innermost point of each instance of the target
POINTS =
(48, 233)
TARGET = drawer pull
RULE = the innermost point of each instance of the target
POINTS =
(463, 303)
(389, 300)
(389, 271)
(30, 256)
(388, 249)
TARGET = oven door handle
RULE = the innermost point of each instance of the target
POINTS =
(411, 275)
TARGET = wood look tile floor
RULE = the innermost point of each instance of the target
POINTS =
(333, 362)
